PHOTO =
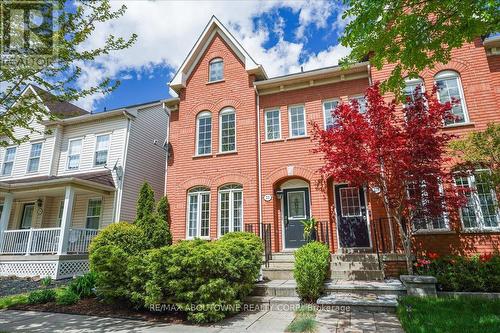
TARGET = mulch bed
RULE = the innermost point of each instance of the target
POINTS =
(94, 307)
(15, 285)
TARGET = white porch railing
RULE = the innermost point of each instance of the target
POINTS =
(44, 241)
(79, 240)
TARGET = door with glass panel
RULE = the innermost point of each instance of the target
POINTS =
(198, 212)
(352, 223)
(27, 217)
(296, 209)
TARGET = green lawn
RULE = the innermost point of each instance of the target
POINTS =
(449, 315)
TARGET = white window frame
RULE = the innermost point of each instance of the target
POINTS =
(198, 192)
(357, 98)
(415, 82)
(60, 212)
(92, 216)
(266, 112)
(203, 114)
(79, 154)
(231, 190)
(290, 129)
(13, 161)
(449, 74)
(333, 100)
(471, 179)
(96, 151)
(429, 226)
(30, 158)
(214, 61)
(225, 111)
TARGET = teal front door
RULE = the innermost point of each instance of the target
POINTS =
(296, 209)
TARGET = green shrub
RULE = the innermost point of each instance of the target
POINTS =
(110, 262)
(41, 296)
(146, 201)
(66, 296)
(458, 273)
(84, 285)
(163, 209)
(128, 237)
(155, 229)
(311, 269)
(201, 277)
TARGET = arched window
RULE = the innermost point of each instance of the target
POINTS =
(198, 212)
(227, 132)
(450, 89)
(216, 70)
(204, 133)
(230, 208)
(411, 85)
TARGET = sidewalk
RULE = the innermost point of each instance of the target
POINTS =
(248, 322)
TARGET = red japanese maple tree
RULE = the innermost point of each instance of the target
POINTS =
(399, 154)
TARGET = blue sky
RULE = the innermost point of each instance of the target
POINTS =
(281, 35)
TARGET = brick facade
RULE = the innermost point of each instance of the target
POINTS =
(292, 158)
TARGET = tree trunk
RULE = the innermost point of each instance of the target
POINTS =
(406, 240)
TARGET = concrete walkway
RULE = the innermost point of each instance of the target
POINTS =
(248, 322)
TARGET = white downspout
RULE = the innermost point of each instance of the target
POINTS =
(259, 168)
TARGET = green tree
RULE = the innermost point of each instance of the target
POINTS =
(74, 23)
(414, 34)
(481, 150)
(163, 209)
(146, 201)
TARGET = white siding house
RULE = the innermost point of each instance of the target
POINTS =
(81, 173)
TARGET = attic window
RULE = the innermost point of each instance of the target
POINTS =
(216, 70)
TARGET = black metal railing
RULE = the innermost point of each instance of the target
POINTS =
(264, 232)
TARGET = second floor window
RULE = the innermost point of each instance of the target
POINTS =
(328, 107)
(204, 133)
(410, 87)
(227, 130)
(450, 90)
(273, 127)
(94, 208)
(74, 150)
(361, 102)
(101, 150)
(34, 160)
(8, 161)
(297, 121)
(216, 70)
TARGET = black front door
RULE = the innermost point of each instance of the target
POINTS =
(352, 223)
(296, 209)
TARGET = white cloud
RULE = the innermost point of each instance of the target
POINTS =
(168, 29)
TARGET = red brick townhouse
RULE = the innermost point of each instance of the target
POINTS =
(241, 149)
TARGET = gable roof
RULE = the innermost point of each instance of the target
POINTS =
(61, 109)
(214, 27)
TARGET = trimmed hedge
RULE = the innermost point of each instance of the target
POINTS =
(311, 270)
(208, 280)
(457, 273)
(128, 237)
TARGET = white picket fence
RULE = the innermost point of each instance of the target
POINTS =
(45, 241)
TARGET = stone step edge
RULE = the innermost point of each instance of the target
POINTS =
(326, 300)
(340, 287)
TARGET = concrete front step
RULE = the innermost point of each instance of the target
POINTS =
(367, 303)
(367, 275)
(355, 257)
(273, 303)
(365, 288)
(353, 265)
(273, 273)
(283, 265)
(279, 288)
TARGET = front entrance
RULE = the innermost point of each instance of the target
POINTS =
(352, 223)
(296, 208)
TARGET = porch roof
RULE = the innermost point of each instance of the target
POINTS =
(100, 180)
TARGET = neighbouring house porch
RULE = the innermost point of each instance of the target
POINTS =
(46, 226)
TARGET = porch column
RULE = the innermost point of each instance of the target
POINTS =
(69, 197)
(4, 219)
